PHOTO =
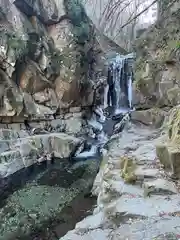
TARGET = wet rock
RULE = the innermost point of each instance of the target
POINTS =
(94, 124)
(99, 112)
(36, 131)
(120, 126)
(45, 199)
(93, 152)
(118, 116)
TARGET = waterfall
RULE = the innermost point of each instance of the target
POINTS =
(130, 91)
(121, 68)
(105, 96)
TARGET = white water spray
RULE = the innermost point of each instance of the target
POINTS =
(122, 83)
(105, 96)
(130, 91)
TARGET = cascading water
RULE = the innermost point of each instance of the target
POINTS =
(105, 96)
(118, 96)
(121, 70)
(130, 91)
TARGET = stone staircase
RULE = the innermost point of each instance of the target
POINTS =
(148, 209)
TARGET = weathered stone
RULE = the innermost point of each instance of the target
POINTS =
(173, 96)
(158, 61)
(4, 146)
(46, 11)
(8, 134)
(75, 109)
(163, 89)
(160, 186)
(30, 150)
(10, 162)
(47, 98)
(74, 124)
(142, 172)
(32, 80)
(167, 148)
(64, 145)
(35, 109)
(163, 156)
(152, 116)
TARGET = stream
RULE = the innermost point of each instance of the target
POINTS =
(45, 201)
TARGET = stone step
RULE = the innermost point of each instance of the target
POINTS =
(159, 187)
(143, 172)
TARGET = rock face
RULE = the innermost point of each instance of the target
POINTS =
(153, 117)
(18, 153)
(168, 146)
(47, 57)
(157, 66)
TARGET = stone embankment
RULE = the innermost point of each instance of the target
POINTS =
(136, 198)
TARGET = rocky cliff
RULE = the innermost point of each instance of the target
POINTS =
(157, 82)
(47, 57)
(157, 69)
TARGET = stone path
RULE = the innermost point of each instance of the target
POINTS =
(147, 210)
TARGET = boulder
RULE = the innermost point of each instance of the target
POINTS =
(167, 148)
(153, 116)
(74, 123)
(33, 109)
(160, 186)
(64, 145)
(32, 79)
(16, 155)
(10, 162)
(46, 11)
